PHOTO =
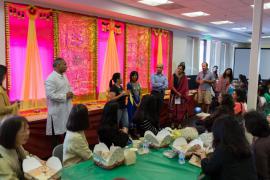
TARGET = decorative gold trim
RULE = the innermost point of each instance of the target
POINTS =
(7, 32)
(168, 55)
(149, 57)
(125, 56)
(96, 57)
(95, 52)
(55, 34)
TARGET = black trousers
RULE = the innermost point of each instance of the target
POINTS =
(56, 139)
(160, 100)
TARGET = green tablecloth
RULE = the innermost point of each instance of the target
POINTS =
(153, 166)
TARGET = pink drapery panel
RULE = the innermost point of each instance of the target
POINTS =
(165, 37)
(77, 46)
(18, 28)
(138, 53)
(103, 35)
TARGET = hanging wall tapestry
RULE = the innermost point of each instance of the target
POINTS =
(77, 45)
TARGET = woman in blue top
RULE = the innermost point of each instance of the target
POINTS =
(134, 89)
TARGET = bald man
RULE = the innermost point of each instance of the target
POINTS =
(159, 84)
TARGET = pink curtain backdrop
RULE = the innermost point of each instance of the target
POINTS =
(18, 41)
(102, 45)
(165, 52)
(137, 53)
(76, 47)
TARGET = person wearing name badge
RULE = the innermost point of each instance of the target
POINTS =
(59, 101)
(205, 79)
(179, 95)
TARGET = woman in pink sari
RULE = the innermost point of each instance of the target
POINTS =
(179, 96)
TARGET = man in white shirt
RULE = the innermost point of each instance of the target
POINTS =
(59, 96)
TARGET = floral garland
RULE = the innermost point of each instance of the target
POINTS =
(22, 12)
(107, 26)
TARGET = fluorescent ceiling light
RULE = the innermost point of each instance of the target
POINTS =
(222, 22)
(195, 14)
(239, 28)
(265, 37)
(155, 2)
(265, 5)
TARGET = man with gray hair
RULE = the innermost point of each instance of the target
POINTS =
(59, 96)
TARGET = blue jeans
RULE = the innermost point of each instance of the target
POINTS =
(122, 117)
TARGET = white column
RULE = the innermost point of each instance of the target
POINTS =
(2, 34)
(255, 54)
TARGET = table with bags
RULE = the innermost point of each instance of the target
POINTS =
(153, 165)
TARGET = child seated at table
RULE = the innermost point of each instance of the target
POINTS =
(109, 132)
(76, 148)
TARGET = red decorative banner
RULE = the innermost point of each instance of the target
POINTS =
(77, 45)
(138, 53)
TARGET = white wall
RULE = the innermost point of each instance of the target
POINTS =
(179, 48)
(2, 34)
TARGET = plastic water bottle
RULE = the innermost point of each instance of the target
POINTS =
(181, 158)
(145, 146)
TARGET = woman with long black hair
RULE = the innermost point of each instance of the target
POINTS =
(232, 158)
(109, 132)
(146, 116)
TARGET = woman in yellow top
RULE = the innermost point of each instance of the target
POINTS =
(75, 147)
(5, 107)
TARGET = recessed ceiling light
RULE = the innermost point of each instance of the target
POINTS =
(222, 22)
(239, 28)
(265, 37)
(195, 14)
(265, 5)
(155, 2)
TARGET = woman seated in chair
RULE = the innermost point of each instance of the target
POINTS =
(146, 116)
(109, 132)
(76, 148)
(14, 133)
